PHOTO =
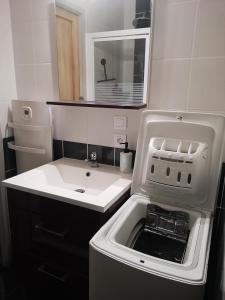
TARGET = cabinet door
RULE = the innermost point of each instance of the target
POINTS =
(63, 226)
(20, 222)
(47, 278)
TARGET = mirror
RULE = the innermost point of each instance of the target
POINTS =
(103, 49)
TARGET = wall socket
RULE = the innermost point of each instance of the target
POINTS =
(119, 138)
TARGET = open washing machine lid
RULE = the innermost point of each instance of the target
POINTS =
(178, 158)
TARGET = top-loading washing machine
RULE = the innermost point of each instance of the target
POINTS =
(157, 245)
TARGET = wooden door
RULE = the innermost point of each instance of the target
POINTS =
(67, 28)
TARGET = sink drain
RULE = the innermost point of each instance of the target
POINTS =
(80, 191)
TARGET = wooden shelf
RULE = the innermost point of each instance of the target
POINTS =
(103, 104)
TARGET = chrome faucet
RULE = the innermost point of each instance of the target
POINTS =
(93, 160)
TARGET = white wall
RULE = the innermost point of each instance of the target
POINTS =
(7, 74)
(7, 92)
(105, 15)
(36, 77)
(188, 67)
(93, 125)
(129, 8)
(33, 26)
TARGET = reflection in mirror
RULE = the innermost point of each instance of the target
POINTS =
(119, 70)
(103, 49)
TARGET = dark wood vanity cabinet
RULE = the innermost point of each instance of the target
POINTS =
(50, 242)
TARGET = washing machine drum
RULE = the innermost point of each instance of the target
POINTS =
(163, 234)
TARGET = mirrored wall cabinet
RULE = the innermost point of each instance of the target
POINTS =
(104, 52)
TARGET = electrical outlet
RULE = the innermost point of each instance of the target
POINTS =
(119, 138)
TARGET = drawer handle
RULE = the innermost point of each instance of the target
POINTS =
(43, 228)
(44, 268)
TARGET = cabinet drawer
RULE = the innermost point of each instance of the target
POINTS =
(40, 254)
(67, 236)
(50, 278)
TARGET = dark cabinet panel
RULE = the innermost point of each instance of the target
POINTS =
(51, 240)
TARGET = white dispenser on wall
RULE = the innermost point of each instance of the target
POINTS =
(126, 159)
(32, 124)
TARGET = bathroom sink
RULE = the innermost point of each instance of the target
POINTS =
(73, 181)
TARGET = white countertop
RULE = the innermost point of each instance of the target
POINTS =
(59, 179)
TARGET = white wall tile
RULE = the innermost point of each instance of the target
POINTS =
(7, 72)
(210, 33)
(21, 10)
(23, 42)
(5, 12)
(169, 84)
(133, 121)
(7, 77)
(25, 82)
(57, 122)
(42, 42)
(46, 84)
(35, 49)
(5, 116)
(94, 125)
(174, 28)
(101, 126)
(42, 9)
(199, 84)
(74, 124)
(207, 90)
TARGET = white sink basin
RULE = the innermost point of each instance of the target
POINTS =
(75, 175)
(73, 181)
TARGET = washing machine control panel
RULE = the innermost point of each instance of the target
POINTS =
(174, 164)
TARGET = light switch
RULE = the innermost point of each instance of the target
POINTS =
(120, 123)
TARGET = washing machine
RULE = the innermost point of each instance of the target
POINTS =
(157, 244)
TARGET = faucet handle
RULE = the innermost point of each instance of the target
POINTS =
(93, 156)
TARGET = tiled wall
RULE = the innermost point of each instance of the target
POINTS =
(93, 125)
(188, 67)
(36, 78)
(33, 26)
(93, 130)
(82, 151)
(106, 15)
(7, 92)
(7, 74)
